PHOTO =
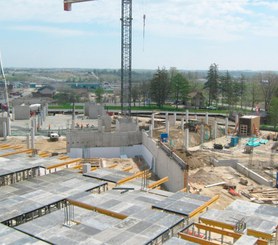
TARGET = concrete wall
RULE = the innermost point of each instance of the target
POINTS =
(21, 112)
(126, 125)
(253, 175)
(243, 170)
(106, 152)
(93, 111)
(88, 139)
(88, 144)
(163, 165)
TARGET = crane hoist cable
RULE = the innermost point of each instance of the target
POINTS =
(144, 28)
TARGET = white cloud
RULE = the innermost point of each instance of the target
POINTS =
(51, 30)
(203, 19)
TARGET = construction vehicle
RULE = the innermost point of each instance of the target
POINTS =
(53, 136)
(192, 125)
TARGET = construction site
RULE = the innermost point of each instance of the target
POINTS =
(95, 176)
(173, 178)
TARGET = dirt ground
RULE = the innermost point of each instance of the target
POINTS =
(198, 157)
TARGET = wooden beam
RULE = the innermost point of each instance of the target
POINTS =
(127, 169)
(217, 230)
(128, 178)
(112, 165)
(63, 157)
(195, 239)
(97, 209)
(44, 154)
(16, 152)
(64, 163)
(183, 190)
(217, 223)
(157, 183)
(79, 166)
(5, 146)
(204, 206)
(251, 232)
(17, 147)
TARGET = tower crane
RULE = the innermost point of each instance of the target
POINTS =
(126, 51)
(6, 96)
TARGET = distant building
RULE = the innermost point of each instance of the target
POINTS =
(86, 85)
(197, 99)
(45, 91)
(32, 85)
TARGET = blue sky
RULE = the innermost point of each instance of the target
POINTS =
(187, 34)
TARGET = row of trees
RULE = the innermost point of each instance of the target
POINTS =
(233, 91)
(165, 85)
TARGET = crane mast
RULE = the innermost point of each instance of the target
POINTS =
(126, 51)
(126, 56)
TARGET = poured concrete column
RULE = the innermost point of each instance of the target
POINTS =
(236, 119)
(28, 141)
(196, 117)
(182, 123)
(187, 116)
(9, 129)
(117, 126)
(175, 117)
(215, 129)
(151, 131)
(207, 119)
(226, 125)
(46, 109)
(34, 124)
(153, 120)
(13, 112)
(5, 130)
(186, 139)
(39, 122)
(167, 123)
(33, 138)
(202, 134)
(99, 123)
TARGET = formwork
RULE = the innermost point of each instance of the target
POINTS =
(18, 165)
(11, 236)
(29, 199)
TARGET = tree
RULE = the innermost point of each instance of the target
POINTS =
(160, 87)
(67, 97)
(269, 85)
(99, 94)
(212, 84)
(229, 89)
(273, 112)
(144, 91)
(254, 91)
(179, 87)
(135, 94)
(242, 89)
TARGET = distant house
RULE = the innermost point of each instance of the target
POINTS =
(197, 99)
(45, 91)
(85, 85)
